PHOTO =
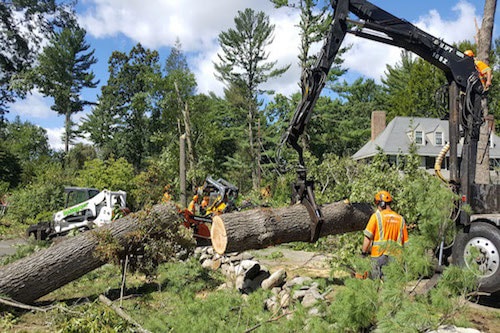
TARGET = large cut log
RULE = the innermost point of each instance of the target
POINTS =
(264, 227)
(44, 271)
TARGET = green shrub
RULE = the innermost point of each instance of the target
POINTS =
(92, 317)
(37, 201)
(355, 306)
(110, 174)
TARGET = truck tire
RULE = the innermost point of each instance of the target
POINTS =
(486, 239)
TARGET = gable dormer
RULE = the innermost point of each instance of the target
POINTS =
(418, 135)
(438, 138)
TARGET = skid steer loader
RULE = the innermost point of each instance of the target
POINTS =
(213, 198)
(85, 208)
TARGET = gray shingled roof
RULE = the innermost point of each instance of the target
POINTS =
(395, 140)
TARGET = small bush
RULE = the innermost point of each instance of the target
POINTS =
(92, 317)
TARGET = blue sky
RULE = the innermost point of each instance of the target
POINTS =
(156, 24)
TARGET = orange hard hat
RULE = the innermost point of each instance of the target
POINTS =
(383, 196)
(469, 53)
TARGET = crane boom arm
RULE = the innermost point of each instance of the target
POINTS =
(378, 25)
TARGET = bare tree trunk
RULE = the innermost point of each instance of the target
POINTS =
(253, 155)
(67, 126)
(484, 41)
(47, 270)
(485, 33)
(264, 227)
(182, 169)
(187, 126)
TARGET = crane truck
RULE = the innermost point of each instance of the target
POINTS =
(477, 242)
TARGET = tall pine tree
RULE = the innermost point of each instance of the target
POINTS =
(242, 63)
(63, 72)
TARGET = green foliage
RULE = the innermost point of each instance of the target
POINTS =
(110, 174)
(10, 168)
(459, 281)
(389, 306)
(62, 73)
(355, 306)
(191, 316)
(411, 87)
(275, 255)
(7, 321)
(188, 278)
(78, 155)
(119, 125)
(38, 200)
(29, 146)
(24, 25)
(94, 317)
(150, 185)
(422, 199)
(243, 68)
(28, 142)
(350, 116)
(158, 239)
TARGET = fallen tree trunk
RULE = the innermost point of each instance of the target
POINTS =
(44, 271)
(47, 270)
(264, 227)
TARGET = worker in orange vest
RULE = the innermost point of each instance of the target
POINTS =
(385, 234)
(484, 70)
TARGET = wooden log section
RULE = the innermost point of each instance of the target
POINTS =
(42, 272)
(264, 227)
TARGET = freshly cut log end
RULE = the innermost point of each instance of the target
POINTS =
(263, 227)
(218, 235)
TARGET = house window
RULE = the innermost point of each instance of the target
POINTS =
(430, 162)
(439, 138)
(419, 137)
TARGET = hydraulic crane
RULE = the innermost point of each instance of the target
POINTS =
(465, 114)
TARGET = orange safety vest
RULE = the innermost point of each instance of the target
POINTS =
(482, 68)
(387, 229)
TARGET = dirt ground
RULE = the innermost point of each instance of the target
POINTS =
(295, 263)
(8, 246)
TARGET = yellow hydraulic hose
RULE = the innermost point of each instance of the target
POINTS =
(439, 161)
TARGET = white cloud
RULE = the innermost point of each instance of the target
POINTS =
(197, 25)
(34, 106)
(37, 107)
(462, 28)
(284, 50)
(159, 22)
(55, 138)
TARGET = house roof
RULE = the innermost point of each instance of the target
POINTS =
(395, 138)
